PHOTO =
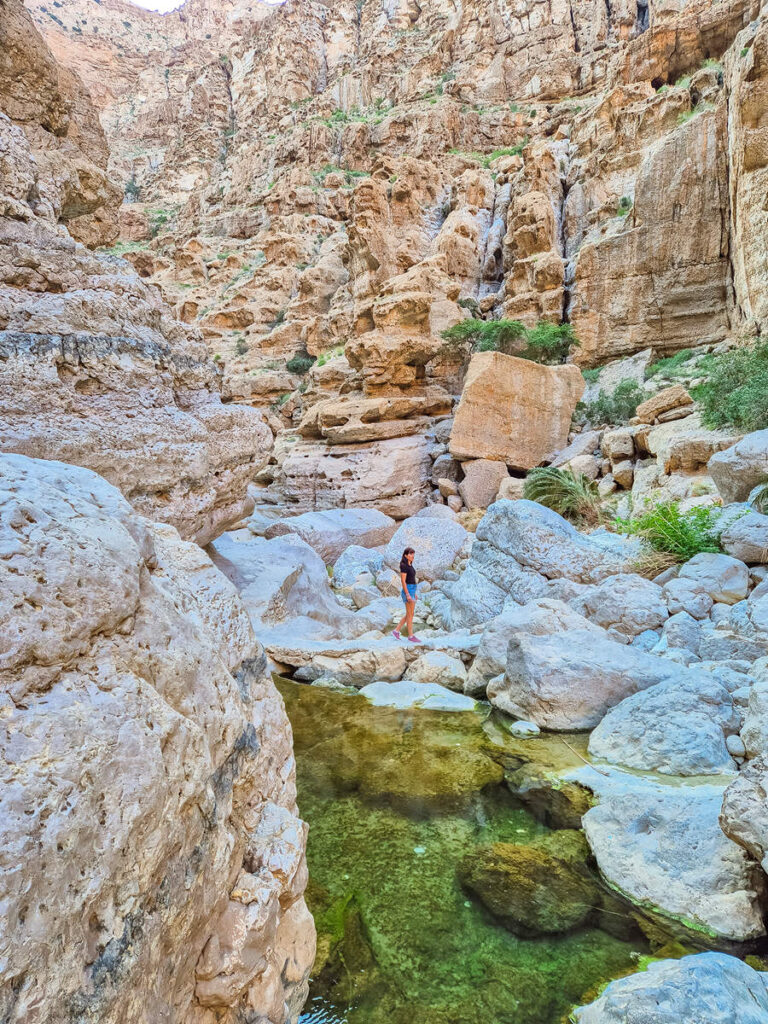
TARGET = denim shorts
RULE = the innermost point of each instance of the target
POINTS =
(411, 592)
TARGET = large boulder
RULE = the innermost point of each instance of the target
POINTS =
(744, 814)
(281, 581)
(145, 727)
(542, 617)
(437, 543)
(491, 578)
(439, 667)
(541, 539)
(353, 561)
(678, 727)
(686, 444)
(754, 731)
(711, 987)
(481, 483)
(662, 846)
(742, 466)
(569, 680)
(746, 538)
(514, 410)
(332, 531)
(626, 603)
(725, 579)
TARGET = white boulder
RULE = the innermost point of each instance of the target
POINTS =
(724, 578)
(332, 531)
(708, 987)
(437, 543)
(569, 680)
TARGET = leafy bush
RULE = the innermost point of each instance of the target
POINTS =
(681, 534)
(279, 318)
(736, 393)
(591, 376)
(331, 353)
(549, 343)
(618, 406)
(300, 363)
(241, 347)
(470, 304)
(132, 191)
(573, 495)
(625, 205)
(670, 366)
(545, 343)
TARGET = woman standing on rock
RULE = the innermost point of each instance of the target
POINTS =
(408, 594)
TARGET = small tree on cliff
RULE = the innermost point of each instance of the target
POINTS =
(544, 343)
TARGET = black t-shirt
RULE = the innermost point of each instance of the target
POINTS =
(410, 572)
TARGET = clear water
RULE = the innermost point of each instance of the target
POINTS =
(395, 801)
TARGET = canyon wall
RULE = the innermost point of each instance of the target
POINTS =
(343, 182)
(153, 862)
(94, 369)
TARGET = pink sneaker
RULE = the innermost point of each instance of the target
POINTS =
(395, 634)
(414, 639)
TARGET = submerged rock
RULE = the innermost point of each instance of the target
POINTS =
(538, 889)
(408, 694)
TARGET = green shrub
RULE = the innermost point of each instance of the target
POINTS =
(670, 366)
(300, 363)
(241, 347)
(591, 376)
(682, 534)
(470, 304)
(132, 191)
(545, 343)
(618, 406)
(625, 205)
(573, 495)
(331, 353)
(736, 393)
(279, 319)
(760, 499)
(549, 343)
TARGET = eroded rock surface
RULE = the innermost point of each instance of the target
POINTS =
(94, 370)
(149, 805)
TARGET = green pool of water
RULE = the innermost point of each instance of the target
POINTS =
(396, 801)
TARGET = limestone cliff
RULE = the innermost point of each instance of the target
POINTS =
(152, 858)
(94, 370)
(348, 180)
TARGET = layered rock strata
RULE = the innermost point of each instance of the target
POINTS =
(94, 370)
(412, 165)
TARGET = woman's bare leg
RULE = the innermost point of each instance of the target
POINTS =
(402, 621)
(410, 608)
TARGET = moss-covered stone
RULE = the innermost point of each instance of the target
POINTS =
(535, 889)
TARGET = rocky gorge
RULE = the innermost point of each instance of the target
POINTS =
(285, 289)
